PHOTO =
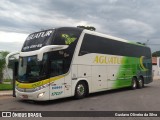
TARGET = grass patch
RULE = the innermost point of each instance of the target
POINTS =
(6, 87)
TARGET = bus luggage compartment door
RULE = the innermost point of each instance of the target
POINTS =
(99, 78)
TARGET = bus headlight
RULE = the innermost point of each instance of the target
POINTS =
(40, 95)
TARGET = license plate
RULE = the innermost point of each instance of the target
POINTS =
(25, 96)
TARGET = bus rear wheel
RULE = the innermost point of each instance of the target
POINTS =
(134, 83)
(81, 90)
(140, 83)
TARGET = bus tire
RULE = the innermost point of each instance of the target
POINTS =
(80, 90)
(140, 83)
(134, 83)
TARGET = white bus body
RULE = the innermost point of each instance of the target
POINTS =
(88, 71)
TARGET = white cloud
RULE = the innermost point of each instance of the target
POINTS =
(11, 41)
(12, 37)
(11, 46)
(113, 1)
(129, 19)
(136, 27)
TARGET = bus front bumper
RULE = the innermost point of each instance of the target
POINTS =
(40, 95)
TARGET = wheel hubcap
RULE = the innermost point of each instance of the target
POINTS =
(140, 82)
(80, 89)
(134, 83)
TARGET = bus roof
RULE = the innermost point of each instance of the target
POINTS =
(98, 34)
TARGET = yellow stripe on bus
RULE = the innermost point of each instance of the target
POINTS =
(37, 84)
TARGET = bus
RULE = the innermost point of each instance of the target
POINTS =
(68, 61)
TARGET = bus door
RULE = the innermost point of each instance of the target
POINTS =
(57, 79)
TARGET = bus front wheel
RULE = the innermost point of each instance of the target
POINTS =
(80, 90)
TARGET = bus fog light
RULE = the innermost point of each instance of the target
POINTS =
(40, 95)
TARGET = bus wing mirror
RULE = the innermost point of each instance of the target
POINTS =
(15, 70)
(49, 48)
(10, 55)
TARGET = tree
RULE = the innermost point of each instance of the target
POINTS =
(156, 54)
(87, 27)
(141, 43)
(3, 55)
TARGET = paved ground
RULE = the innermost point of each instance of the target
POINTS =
(146, 99)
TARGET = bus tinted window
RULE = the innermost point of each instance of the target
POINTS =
(61, 60)
(58, 63)
(37, 40)
(96, 44)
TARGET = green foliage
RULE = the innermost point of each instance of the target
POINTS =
(156, 54)
(3, 55)
(87, 27)
(6, 87)
(141, 43)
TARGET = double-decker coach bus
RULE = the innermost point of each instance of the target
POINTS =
(63, 62)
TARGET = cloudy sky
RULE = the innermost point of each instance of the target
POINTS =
(135, 20)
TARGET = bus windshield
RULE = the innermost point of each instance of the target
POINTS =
(32, 70)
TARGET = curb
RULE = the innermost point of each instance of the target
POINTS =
(6, 93)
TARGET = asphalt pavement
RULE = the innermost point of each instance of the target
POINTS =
(146, 99)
